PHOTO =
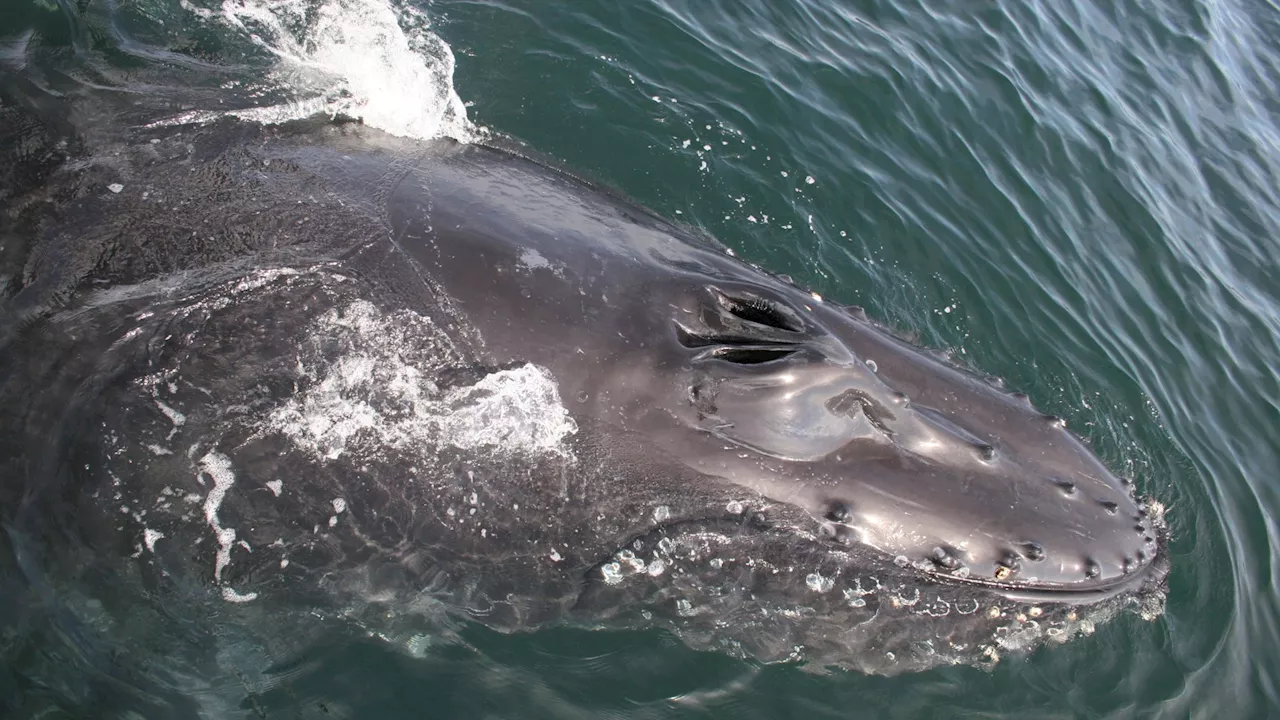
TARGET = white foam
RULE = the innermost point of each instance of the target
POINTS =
(379, 392)
(532, 259)
(150, 537)
(261, 278)
(175, 417)
(218, 467)
(514, 409)
(230, 595)
(276, 487)
(360, 58)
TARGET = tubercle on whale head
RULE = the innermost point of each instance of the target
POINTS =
(898, 450)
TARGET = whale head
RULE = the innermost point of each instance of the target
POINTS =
(893, 448)
(744, 377)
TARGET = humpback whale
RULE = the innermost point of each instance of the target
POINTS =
(268, 381)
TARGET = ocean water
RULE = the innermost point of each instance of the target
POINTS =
(1080, 197)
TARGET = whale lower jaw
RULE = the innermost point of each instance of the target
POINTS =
(775, 587)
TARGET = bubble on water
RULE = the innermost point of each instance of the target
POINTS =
(612, 573)
(627, 560)
(818, 583)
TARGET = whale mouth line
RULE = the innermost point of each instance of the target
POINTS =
(649, 543)
(1140, 579)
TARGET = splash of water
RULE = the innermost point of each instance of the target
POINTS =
(357, 58)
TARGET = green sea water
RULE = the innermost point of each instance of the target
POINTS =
(1080, 197)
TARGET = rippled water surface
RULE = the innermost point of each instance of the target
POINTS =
(1078, 196)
